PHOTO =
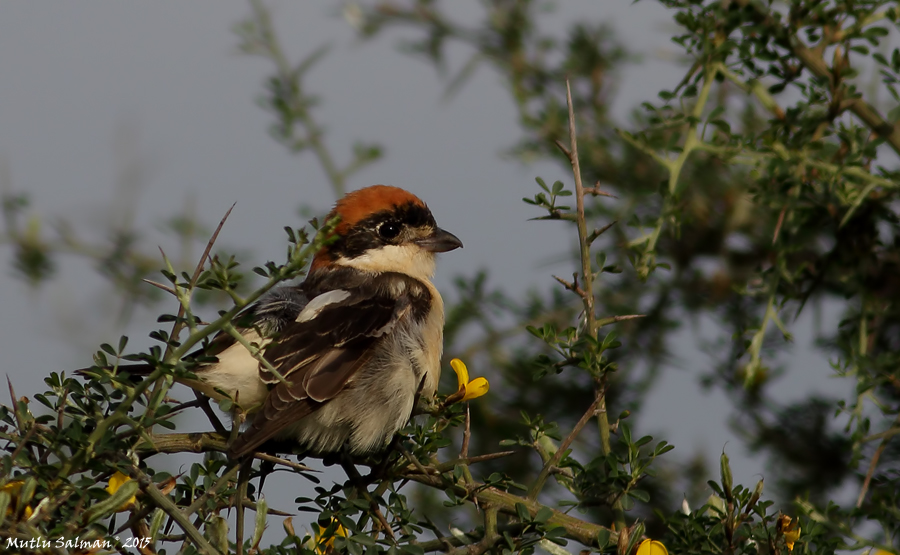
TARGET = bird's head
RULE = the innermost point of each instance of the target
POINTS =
(385, 229)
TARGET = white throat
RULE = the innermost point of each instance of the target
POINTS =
(411, 260)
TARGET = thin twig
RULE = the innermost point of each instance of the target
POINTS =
(598, 232)
(613, 319)
(360, 486)
(450, 465)
(24, 441)
(598, 192)
(467, 434)
(412, 458)
(587, 275)
(571, 286)
(179, 323)
(874, 463)
(240, 493)
(223, 479)
(166, 504)
(554, 460)
(278, 460)
(15, 404)
(778, 224)
(165, 288)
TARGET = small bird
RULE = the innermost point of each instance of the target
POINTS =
(356, 343)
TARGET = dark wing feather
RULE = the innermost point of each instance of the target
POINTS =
(269, 315)
(318, 358)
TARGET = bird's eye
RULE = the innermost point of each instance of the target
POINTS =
(389, 230)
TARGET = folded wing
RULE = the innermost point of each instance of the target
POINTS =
(318, 355)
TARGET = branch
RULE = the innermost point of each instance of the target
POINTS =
(576, 529)
(554, 460)
(872, 465)
(204, 442)
(813, 61)
(166, 504)
(588, 280)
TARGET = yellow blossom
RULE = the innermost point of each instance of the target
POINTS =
(12, 489)
(652, 547)
(790, 532)
(325, 543)
(116, 481)
(472, 389)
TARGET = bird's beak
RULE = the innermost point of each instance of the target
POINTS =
(440, 241)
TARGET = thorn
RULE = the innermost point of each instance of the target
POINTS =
(778, 225)
(613, 319)
(597, 191)
(573, 287)
(598, 232)
(165, 288)
(564, 149)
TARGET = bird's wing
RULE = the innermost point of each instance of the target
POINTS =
(269, 315)
(335, 335)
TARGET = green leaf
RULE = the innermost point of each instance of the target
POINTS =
(543, 515)
(112, 503)
(640, 495)
(522, 511)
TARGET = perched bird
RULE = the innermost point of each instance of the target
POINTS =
(356, 342)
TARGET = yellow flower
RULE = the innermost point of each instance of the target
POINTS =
(12, 489)
(790, 532)
(472, 390)
(116, 481)
(325, 543)
(652, 547)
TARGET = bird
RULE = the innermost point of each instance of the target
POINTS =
(355, 344)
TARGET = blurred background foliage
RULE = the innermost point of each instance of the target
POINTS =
(762, 185)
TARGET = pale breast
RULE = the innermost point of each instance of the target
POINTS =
(379, 400)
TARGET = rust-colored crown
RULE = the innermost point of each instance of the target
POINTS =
(360, 204)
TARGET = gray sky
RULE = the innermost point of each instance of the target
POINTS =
(92, 91)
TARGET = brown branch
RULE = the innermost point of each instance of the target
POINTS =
(166, 504)
(874, 463)
(412, 459)
(613, 319)
(432, 476)
(576, 529)
(573, 286)
(598, 232)
(467, 434)
(588, 280)
(204, 442)
(554, 460)
(815, 63)
(598, 192)
(179, 323)
(449, 465)
(165, 288)
(778, 224)
(22, 442)
(284, 462)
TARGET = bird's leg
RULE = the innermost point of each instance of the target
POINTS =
(346, 461)
(379, 471)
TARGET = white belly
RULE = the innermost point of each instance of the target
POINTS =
(366, 415)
